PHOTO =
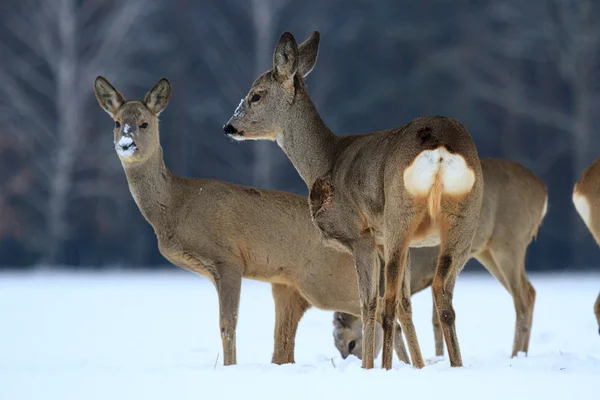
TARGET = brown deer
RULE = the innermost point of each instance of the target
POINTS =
(418, 185)
(586, 198)
(225, 231)
(515, 202)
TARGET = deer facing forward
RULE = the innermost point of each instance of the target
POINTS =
(418, 185)
(226, 231)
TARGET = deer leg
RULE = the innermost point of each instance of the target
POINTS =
(511, 265)
(530, 298)
(454, 252)
(290, 306)
(404, 309)
(399, 346)
(228, 282)
(437, 331)
(366, 268)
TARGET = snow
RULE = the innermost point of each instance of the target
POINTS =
(239, 111)
(126, 128)
(156, 336)
(125, 145)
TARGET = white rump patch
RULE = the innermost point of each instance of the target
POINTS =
(583, 207)
(456, 176)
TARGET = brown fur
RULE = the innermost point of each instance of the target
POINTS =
(226, 231)
(367, 173)
(511, 213)
(588, 187)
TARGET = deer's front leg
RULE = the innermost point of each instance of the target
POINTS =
(365, 255)
(228, 281)
(289, 309)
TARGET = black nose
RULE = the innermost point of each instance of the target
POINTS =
(229, 129)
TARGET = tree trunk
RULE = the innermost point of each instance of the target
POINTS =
(68, 114)
(263, 13)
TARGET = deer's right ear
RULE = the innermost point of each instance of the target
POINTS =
(285, 58)
(109, 98)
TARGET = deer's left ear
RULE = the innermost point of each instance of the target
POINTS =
(158, 97)
(285, 60)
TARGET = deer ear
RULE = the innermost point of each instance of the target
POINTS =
(109, 98)
(158, 97)
(308, 51)
(285, 58)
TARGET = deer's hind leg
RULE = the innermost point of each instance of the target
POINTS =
(438, 336)
(510, 262)
(228, 281)
(457, 235)
(290, 306)
(365, 256)
(399, 345)
(397, 273)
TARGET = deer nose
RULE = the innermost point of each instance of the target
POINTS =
(229, 129)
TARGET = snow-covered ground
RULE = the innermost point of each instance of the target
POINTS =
(155, 336)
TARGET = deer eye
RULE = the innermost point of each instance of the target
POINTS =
(351, 345)
(144, 125)
(255, 97)
(117, 124)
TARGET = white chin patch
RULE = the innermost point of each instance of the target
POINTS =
(239, 138)
(126, 152)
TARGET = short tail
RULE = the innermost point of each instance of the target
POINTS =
(435, 198)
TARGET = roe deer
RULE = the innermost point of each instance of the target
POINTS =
(586, 198)
(418, 185)
(226, 231)
(514, 204)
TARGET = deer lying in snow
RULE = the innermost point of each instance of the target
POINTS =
(226, 231)
(514, 203)
(418, 185)
(586, 198)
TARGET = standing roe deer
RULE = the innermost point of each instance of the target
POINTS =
(226, 231)
(514, 204)
(586, 198)
(419, 185)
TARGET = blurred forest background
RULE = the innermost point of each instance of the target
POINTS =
(522, 75)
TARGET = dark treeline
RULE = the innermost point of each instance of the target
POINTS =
(522, 76)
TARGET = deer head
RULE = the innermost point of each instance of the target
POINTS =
(263, 113)
(136, 122)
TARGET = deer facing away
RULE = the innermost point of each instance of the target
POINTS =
(586, 198)
(418, 185)
(225, 231)
(514, 204)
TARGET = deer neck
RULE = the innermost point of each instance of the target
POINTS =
(150, 184)
(307, 141)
